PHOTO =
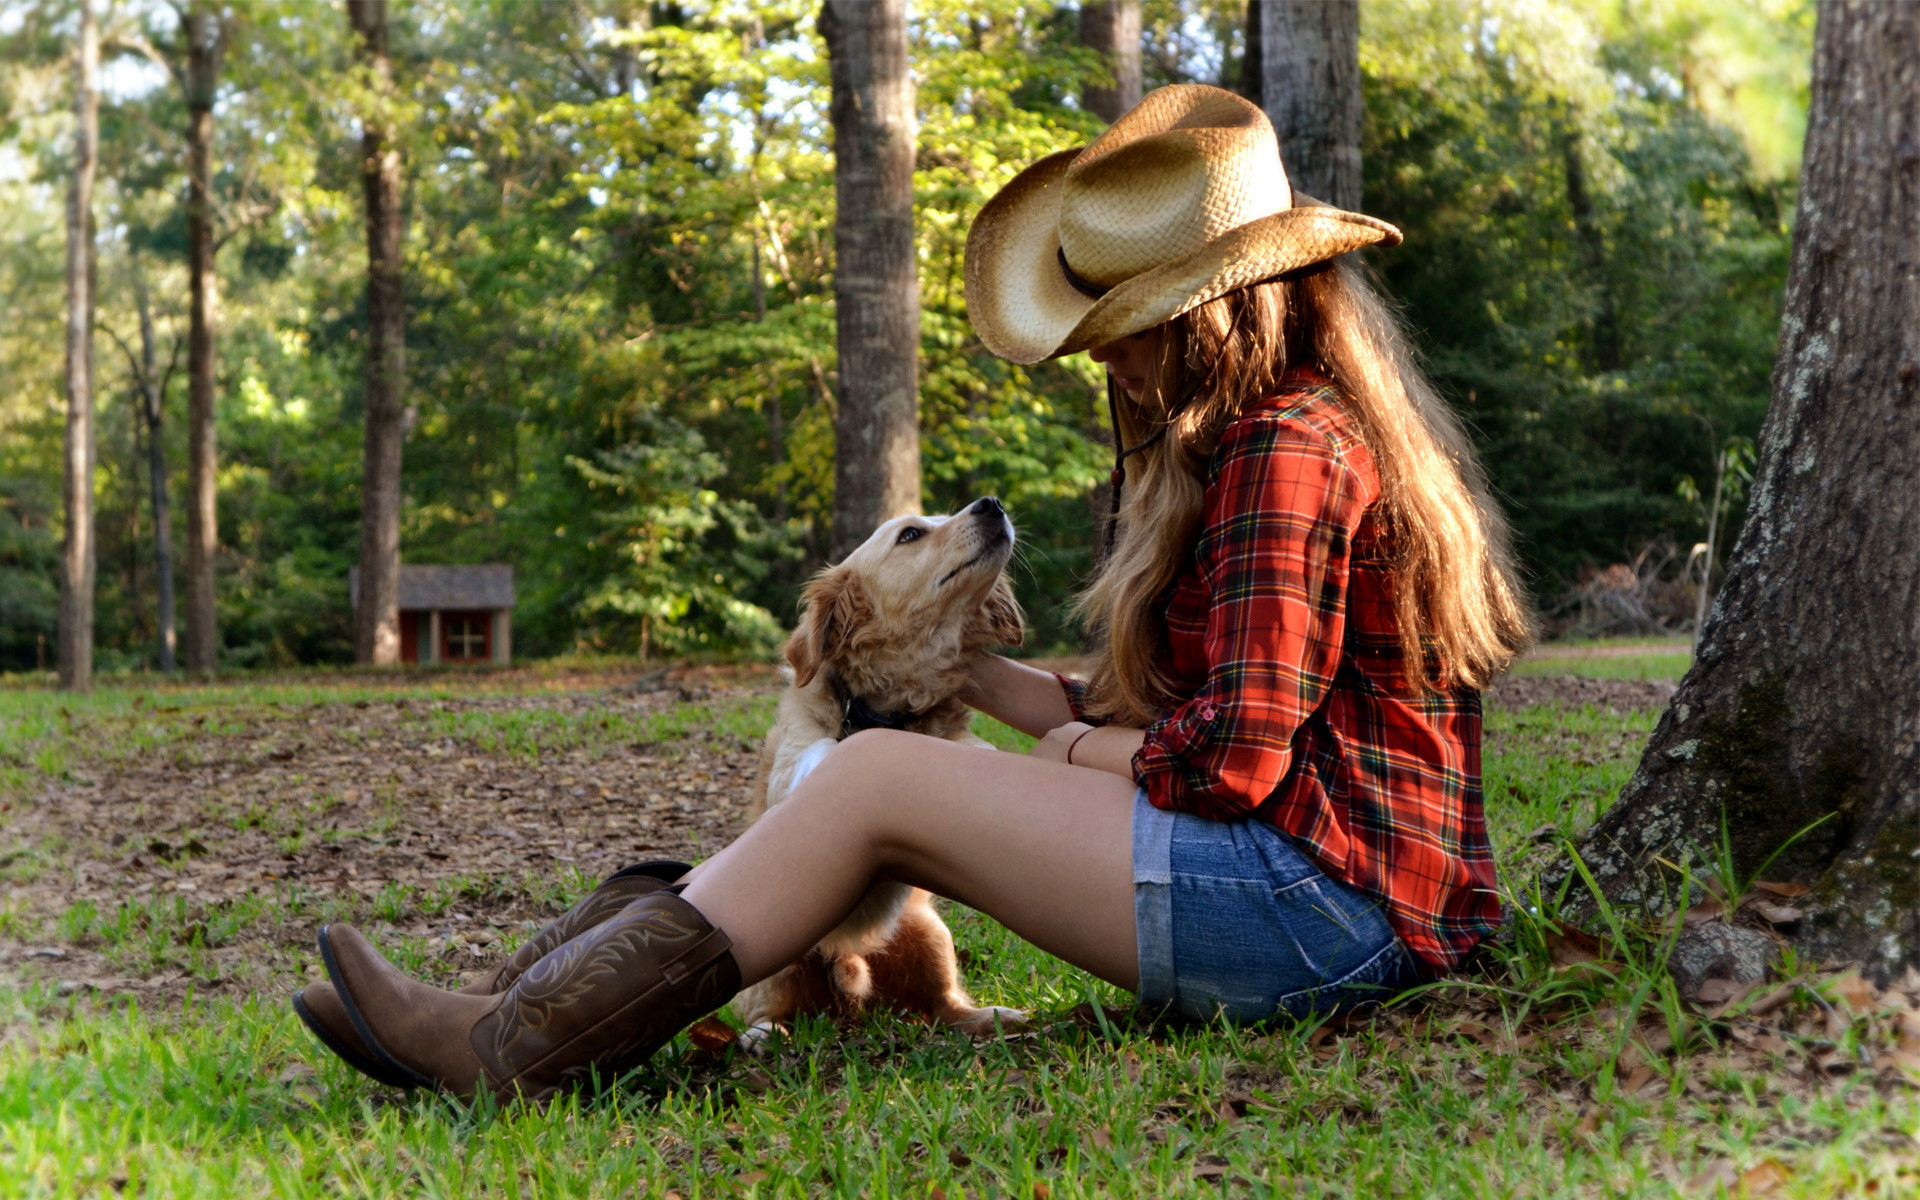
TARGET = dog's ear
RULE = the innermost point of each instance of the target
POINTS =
(836, 605)
(1005, 622)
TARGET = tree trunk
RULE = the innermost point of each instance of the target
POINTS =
(77, 557)
(1252, 80)
(876, 285)
(377, 620)
(1604, 352)
(205, 43)
(1112, 29)
(1804, 703)
(153, 398)
(1310, 87)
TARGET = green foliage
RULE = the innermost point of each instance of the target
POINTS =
(1594, 261)
(621, 370)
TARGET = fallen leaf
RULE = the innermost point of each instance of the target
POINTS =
(1042, 1190)
(1637, 1080)
(1760, 1180)
(297, 1072)
(1706, 910)
(1779, 914)
(1721, 991)
(1715, 1180)
(1856, 993)
(1209, 1168)
(1786, 891)
(1587, 1126)
(1573, 947)
(1477, 1032)
(711, 1034)
(1101, 1138)
(958, 1157)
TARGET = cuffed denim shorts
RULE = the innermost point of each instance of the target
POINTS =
(1233, 918)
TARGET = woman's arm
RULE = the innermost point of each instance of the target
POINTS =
(1024, 697)
(1108, 748)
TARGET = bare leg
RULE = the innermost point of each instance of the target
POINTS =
(1043, 848)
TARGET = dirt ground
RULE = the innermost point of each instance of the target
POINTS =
(209, 863)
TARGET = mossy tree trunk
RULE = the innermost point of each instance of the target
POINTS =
(876, 282)
(1803, 705)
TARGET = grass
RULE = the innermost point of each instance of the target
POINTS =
(1507, 1082)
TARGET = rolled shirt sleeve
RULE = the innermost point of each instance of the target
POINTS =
(1281, 510)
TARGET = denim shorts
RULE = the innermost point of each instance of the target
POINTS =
(1235, 919)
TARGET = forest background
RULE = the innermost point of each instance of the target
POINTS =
(620, 326)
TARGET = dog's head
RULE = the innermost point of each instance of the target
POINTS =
(911, 604)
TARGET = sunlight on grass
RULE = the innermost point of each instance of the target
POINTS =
(230, 1097)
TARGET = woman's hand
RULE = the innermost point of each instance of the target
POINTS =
(1024, 697)
(1108, 748)
(1059, 742)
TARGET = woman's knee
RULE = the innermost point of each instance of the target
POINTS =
(868, 779)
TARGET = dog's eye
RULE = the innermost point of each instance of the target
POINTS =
(911, 533)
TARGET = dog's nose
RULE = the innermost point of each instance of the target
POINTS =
(987, 508)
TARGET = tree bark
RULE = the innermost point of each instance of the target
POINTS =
(206, 43)
(876, 283)
(1112, 29)
(153, 397)
(78, 552)
(377, 619)
(1803, 705)
(1310, 88)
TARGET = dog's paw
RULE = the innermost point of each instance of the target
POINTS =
(755, 1039)
(991, 1020)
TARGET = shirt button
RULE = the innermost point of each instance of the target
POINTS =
(1207, 712)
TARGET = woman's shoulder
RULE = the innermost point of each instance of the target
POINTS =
(1302, 415)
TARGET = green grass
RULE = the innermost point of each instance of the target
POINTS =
(1635, 666)
(231, 1097)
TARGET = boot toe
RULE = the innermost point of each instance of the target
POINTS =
(319, 1009)
(420, 1032)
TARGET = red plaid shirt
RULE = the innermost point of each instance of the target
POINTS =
(1281, 630)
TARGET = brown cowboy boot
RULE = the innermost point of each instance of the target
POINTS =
(617, 891)
(319, 1006)
(601, 1003)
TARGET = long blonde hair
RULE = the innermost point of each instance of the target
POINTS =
(1457, 596)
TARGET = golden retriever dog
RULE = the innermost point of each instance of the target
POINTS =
(884, 641)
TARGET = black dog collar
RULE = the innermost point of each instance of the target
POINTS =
(856, 714)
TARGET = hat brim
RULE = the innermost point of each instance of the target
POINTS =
(1025, 311)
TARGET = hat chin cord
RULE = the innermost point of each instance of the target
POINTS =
(1117, 478)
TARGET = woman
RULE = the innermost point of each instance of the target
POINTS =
(1266, 799)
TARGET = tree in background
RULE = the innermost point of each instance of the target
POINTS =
(206, 33)
(1111, 29)
(621, 234)
(78, 554)
(1309, 84)
(376, 636)
(150, 391)
(1797, 719)
(876, 283)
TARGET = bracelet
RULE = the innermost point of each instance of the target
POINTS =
(1076, 742)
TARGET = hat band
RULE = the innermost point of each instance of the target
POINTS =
(1086, 287)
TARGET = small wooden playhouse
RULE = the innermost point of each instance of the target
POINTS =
(458, 614)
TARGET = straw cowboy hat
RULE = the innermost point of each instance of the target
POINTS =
(1179, 201)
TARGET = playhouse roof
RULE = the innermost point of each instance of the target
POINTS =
(483, 585)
